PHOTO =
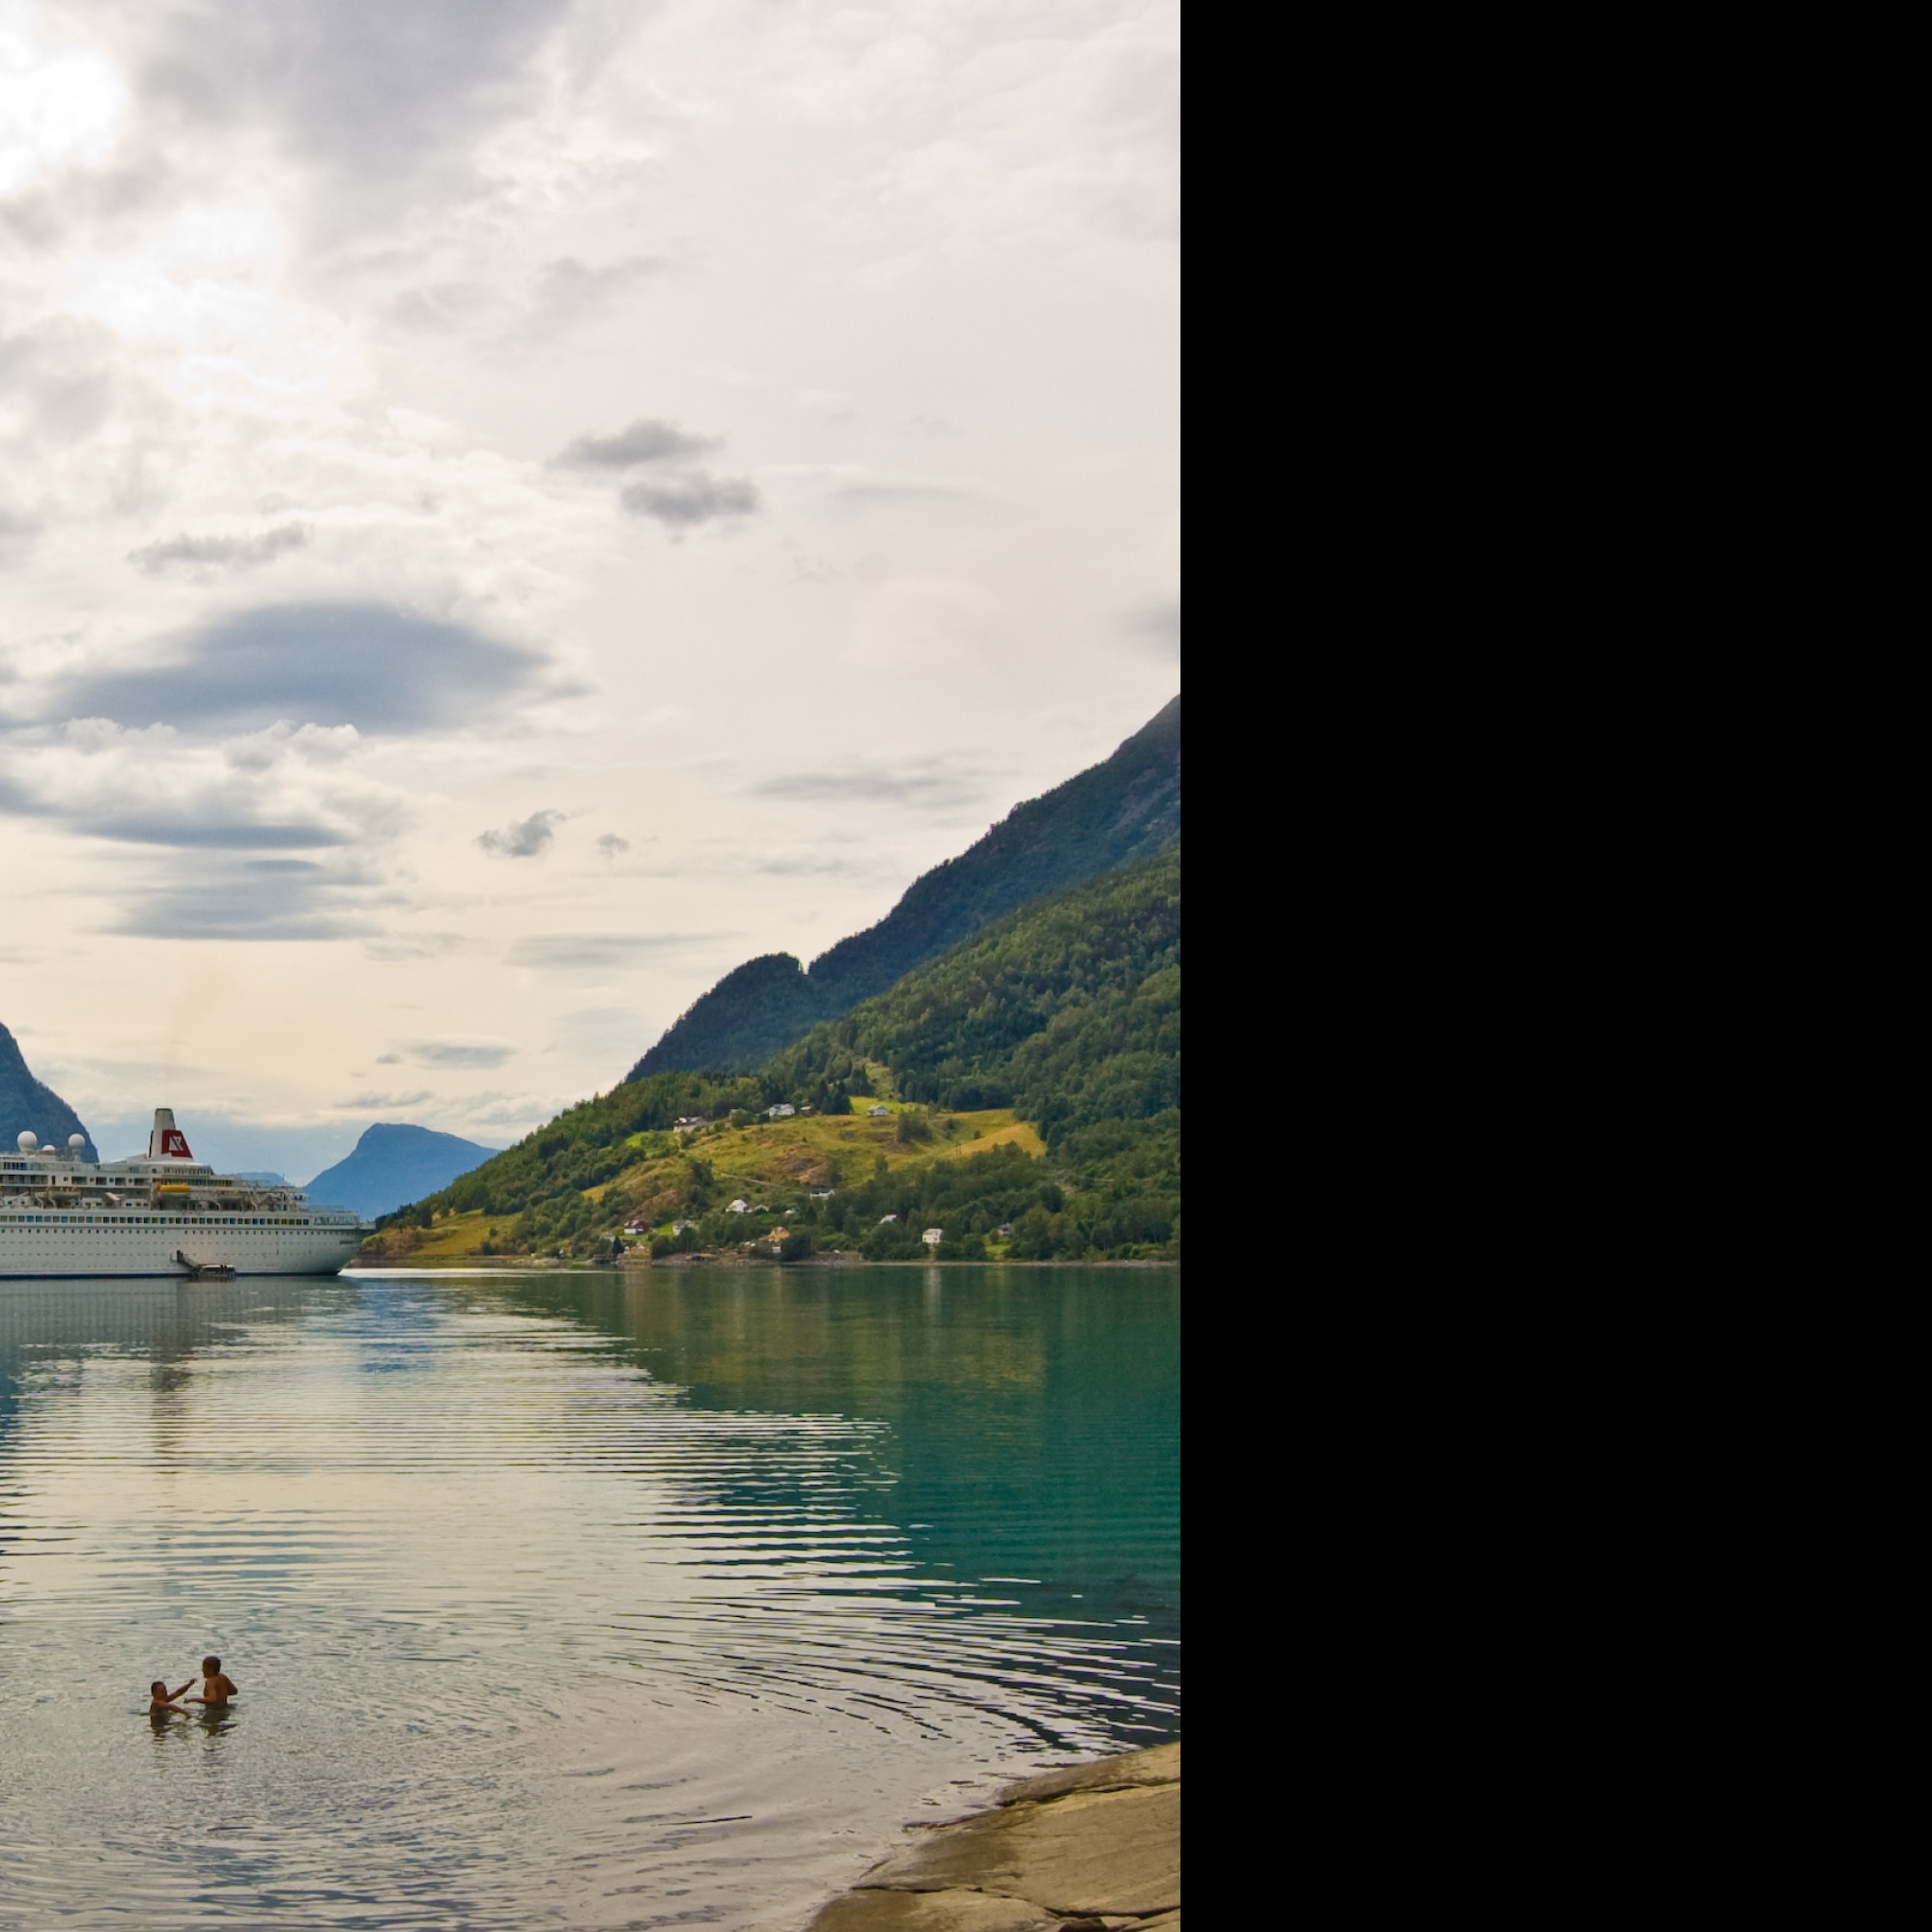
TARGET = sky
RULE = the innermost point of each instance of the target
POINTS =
(511, 507)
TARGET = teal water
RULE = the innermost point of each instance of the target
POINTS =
(565, 1600)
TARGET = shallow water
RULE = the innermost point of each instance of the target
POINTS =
(560, 1599)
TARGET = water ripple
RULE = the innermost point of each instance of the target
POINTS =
(561, 1605)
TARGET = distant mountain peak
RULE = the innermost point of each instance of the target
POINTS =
(394, 1163)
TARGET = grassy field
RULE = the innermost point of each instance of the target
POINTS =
(771, 1164)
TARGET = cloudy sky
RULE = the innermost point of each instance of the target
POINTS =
(510, 508)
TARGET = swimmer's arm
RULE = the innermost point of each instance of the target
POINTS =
(188, 1685)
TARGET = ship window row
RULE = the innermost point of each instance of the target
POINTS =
(162, 1220)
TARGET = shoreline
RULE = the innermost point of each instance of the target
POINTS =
(1094, 1847)
(528, 1264)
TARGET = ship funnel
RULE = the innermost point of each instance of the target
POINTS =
(167, 1142)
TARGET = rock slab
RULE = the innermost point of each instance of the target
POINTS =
(1094, 1846)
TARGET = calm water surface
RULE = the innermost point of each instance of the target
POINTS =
(559, 1600)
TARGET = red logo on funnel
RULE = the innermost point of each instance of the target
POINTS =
(174, 1145)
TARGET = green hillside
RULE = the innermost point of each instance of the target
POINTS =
(1031, 1078)
(1127, 808)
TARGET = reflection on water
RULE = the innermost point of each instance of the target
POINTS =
(563, 1600)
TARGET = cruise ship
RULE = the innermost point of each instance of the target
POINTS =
(168, 1214)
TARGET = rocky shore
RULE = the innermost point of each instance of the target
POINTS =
(1094, 1846)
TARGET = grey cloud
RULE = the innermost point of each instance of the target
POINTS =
(433, 311)
(1157, 626)
(371, 92)
(525, 839)
(886, 495)
(570, 291)
(222, 552)
(646, 440)
(601, 951)
(609, 844)
(382, 670)
(812, 867)
(680, 499)
(593, 1020)
(16, 533)
(236, 816)
(215, 834)
(381, 1102)
(932, 786)
(258, 898)
(691, 499)
(394, 946)
(460, 1053)
(58, 377)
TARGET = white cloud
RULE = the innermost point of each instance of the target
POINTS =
(60, 108)
(360, 368)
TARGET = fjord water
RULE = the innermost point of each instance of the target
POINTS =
(563, 1598)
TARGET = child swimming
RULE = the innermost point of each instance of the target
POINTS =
(161, 1701)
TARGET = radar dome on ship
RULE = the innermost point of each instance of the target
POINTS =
(76, 1142)
(28, 1141)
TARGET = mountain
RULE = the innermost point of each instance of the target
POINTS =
(25, 1102)
(392, 1164)
(1125, 809)
(1027, 1079)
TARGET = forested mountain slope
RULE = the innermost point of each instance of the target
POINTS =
(1031, 1081)
(26, 1102)
(1123, 808)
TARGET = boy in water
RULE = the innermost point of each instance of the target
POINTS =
(161, 1701)
(216, 1689)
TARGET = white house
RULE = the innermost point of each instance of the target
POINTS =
(884, 1218)
(783, 1111)
(933, 1236)
(874, 1112)
(737, 1206)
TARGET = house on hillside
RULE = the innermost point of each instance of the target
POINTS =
(737, 1207)
(682, 1227)
(933, 1236)
(876, 1112)
(884, 1218)
(783, 1111)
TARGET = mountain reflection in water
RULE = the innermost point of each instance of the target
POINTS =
(562, 1599)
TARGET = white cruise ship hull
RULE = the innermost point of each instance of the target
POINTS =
(65, 1216)
(35, 1245)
